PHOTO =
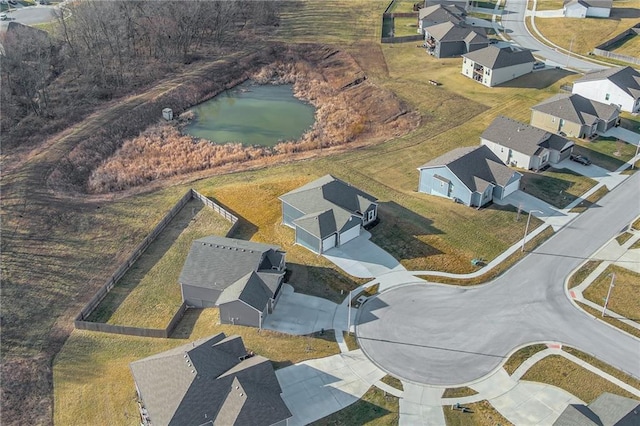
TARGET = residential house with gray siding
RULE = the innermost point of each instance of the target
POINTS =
(574, 115)
(212, 381)
(472, 175)
(520, 145)
(327, 213)
(493, 65)
(449, 39)
(437, 14)
(606, 410)
(619, 86)
(242, 278)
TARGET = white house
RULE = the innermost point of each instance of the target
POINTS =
(587, 8)
(493, 65)
(615, 86)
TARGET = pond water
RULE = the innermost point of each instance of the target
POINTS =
(253, 115)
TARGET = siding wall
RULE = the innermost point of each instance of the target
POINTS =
(501, 75)
(598, 90)
(199, 297)
(508, 155)
(307, 240)
(289, 214)
(552, 124)
(239, 313)
(428, 182)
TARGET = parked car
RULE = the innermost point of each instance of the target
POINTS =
(538, 65)
(3, 17)
(580, 159)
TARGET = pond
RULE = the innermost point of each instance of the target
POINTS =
(252, 114)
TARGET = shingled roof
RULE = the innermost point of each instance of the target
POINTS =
(476, 166)
(626, 78)
(576, 109)
(442, 13)
(328, 204)
(448, 31)
(522, 137)
(494, 57)
(606, 410)
(607, 4)
(209, 381)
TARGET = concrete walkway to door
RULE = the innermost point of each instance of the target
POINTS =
(362, 258)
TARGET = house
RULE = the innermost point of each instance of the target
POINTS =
(242, 278)
(473, 176)
(493, 65)
(574, 115)
(606, 410)
(524, 146)
(210, 381)
(449, 39)
(618, 86)
(327, 213)
(437, 14)
(587, 8)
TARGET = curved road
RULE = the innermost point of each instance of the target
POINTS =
(29, 15)
(445, 335)
(514, 26)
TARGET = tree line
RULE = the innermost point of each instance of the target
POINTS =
(100, 49)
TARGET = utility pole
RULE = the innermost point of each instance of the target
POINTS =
(349, 314)
(526, 229)
(570, 48)
(606, 301)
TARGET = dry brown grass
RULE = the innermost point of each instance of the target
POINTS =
(603, 366)
(94, 383)
(559, 371)
(625, 295)
(393, 382)
(375, 408)
(591, 200)
(458, 392)
(520, 356)
(581, 274)
(482, 414)
(610, 320)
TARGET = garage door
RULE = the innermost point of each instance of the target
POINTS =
(349, 234)
(329, 242)
(513, 186)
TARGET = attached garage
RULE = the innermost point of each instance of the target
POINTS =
(349, 234)
(510, 188)
(329, 242)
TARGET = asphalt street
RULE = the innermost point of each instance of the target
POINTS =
(446, 335)
(513, 23)
(29, 15)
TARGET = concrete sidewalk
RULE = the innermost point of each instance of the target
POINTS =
(555, 217)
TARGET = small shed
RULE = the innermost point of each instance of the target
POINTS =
(167, 114)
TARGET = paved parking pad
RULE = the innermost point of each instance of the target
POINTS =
(316, 388)
(300, 314)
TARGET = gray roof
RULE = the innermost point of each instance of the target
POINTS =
(206, 381)
(328, 204)
(250, 289)
(475, 166)
(441, 13)
(448, 31)
(591, 3)
(494, 57)
(217, 262)
(577, 109)
(606, 410)
(626, 78)
(523, 138)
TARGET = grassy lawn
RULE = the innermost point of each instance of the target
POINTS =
(350, 340)
(393, 382)
(375, 408)
(614, 322)
(93, 381)
(402, 6)
(559, 371)
(405, 26)
(558, 187)
(603, 366)
(521, 355)
(582, 35)
(458, 392)
(151, 284)
(606, 152)
(625, 295)
(482, 414)
(581, 274)
(590, 200)
(624, 237)
(629, 46)
(548, 5)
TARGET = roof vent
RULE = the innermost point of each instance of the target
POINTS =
(193, 371)
(241, 394)
(237, 387)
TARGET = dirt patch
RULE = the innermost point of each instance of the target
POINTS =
(351, 111)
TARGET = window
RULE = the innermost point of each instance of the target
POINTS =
(372, 214)
(607, 96)
(488, 71)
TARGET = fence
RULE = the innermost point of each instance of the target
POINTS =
(402, 39)
(601, 50)
(102, 292)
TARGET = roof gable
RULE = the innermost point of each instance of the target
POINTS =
(626, 78)
(577, 109)
(494, 57)
(515, 135)
(250, 289)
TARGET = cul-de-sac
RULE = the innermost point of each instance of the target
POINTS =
(320, 212)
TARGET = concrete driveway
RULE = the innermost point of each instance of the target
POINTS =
(604, 176)
(542, 210)
(316, 388)
(623, 134)
(300, 314)
(363, 259)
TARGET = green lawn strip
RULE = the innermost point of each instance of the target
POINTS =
(629, 46)
(635, 245)
(392, 381)
(548, 5)
(405, 26)
(624, 237)
(558, 371)
(481, 414)
(591, 200)
(403, 6)
(521, 355)
(458, 392)
(499, 269)
(149, 293)
(558, 187)
(581, 274)
(625, 295)
(604, 367)
(607, 153)
(614, 322)
(93, 381)
(375, 408)
(350, 340)
(636, 224)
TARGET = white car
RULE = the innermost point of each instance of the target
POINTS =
(3, 17)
